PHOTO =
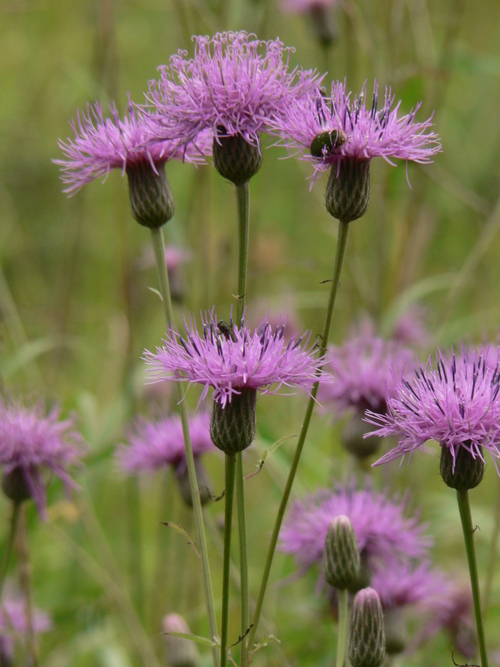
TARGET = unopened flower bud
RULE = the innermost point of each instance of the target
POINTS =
(235, 158)
(462, 471)
(202, 477)
(233, 427)
(180, 652)
(15, 487)
(341, 560)
(366, 631)
(353, 440)
(150, 195)
(348, 189)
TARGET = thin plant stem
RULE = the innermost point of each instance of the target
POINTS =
(343, 627)
(159, 249)
(242, 534)
(228, 517)
(243, 202)
(337, 269)
(14, 522)
(492, 560)
(26, 576)
(468, 531)
(136, 563)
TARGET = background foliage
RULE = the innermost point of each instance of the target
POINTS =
(76, 311)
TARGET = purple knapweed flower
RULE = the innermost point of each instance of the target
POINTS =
(31, 443)
(103, 144)
(329, 130)
(383, 531)
(155, 445)
(407, 583)
(456, 403)
(450, 609)
(234, 85)
(232, 358)
(361, 368)
(13, 622)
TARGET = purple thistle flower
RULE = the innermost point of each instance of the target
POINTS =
(31, 442)
(155, 445)
(102, 144)
(13, 622)
(383, 531)
(231, 358)
(361, 368)
(328, 130)
(234, 85)
(455, 403)
(407, 583)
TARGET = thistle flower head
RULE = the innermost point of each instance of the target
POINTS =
(103, 144)
(408, 583)
(361, 368)
(13, 621)
(31, 443)
(455, 402)
(232, 358)
(154, 445)
(383, 531)
(328, 130)
(234, 85)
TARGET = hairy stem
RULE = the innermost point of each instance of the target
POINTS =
(228, 517)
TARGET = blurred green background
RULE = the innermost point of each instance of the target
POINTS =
(76, 312)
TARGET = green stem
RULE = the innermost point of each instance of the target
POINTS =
(242, 534)
(159, 249)
(339, 260)
(14, 522)
(136, 564)
(26, 576)
(343, 627)
(243, 202)
(468, 531)
(228, 517)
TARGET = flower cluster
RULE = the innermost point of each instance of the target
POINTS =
(235, 84)
(155, 445)
(456, 402)
(31, 442)
(232, 358)
(13, 621)
(327, 130)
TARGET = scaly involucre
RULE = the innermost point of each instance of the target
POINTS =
(357, 131)
(383, 531)
(103, 144)
(31, 442)
(234, 85)
(456, 402)
(158, 444)
(231, 358)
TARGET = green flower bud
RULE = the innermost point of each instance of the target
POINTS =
(235, 158)
(15, 487)
(341, 560)
(366, 630)
(353, 441)
(180, 652)
(202, 478)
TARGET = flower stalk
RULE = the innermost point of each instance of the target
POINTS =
(14, 522)
(343, 626)
(159, 249)
(468, 531)
(230, 460)
(337, 269)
